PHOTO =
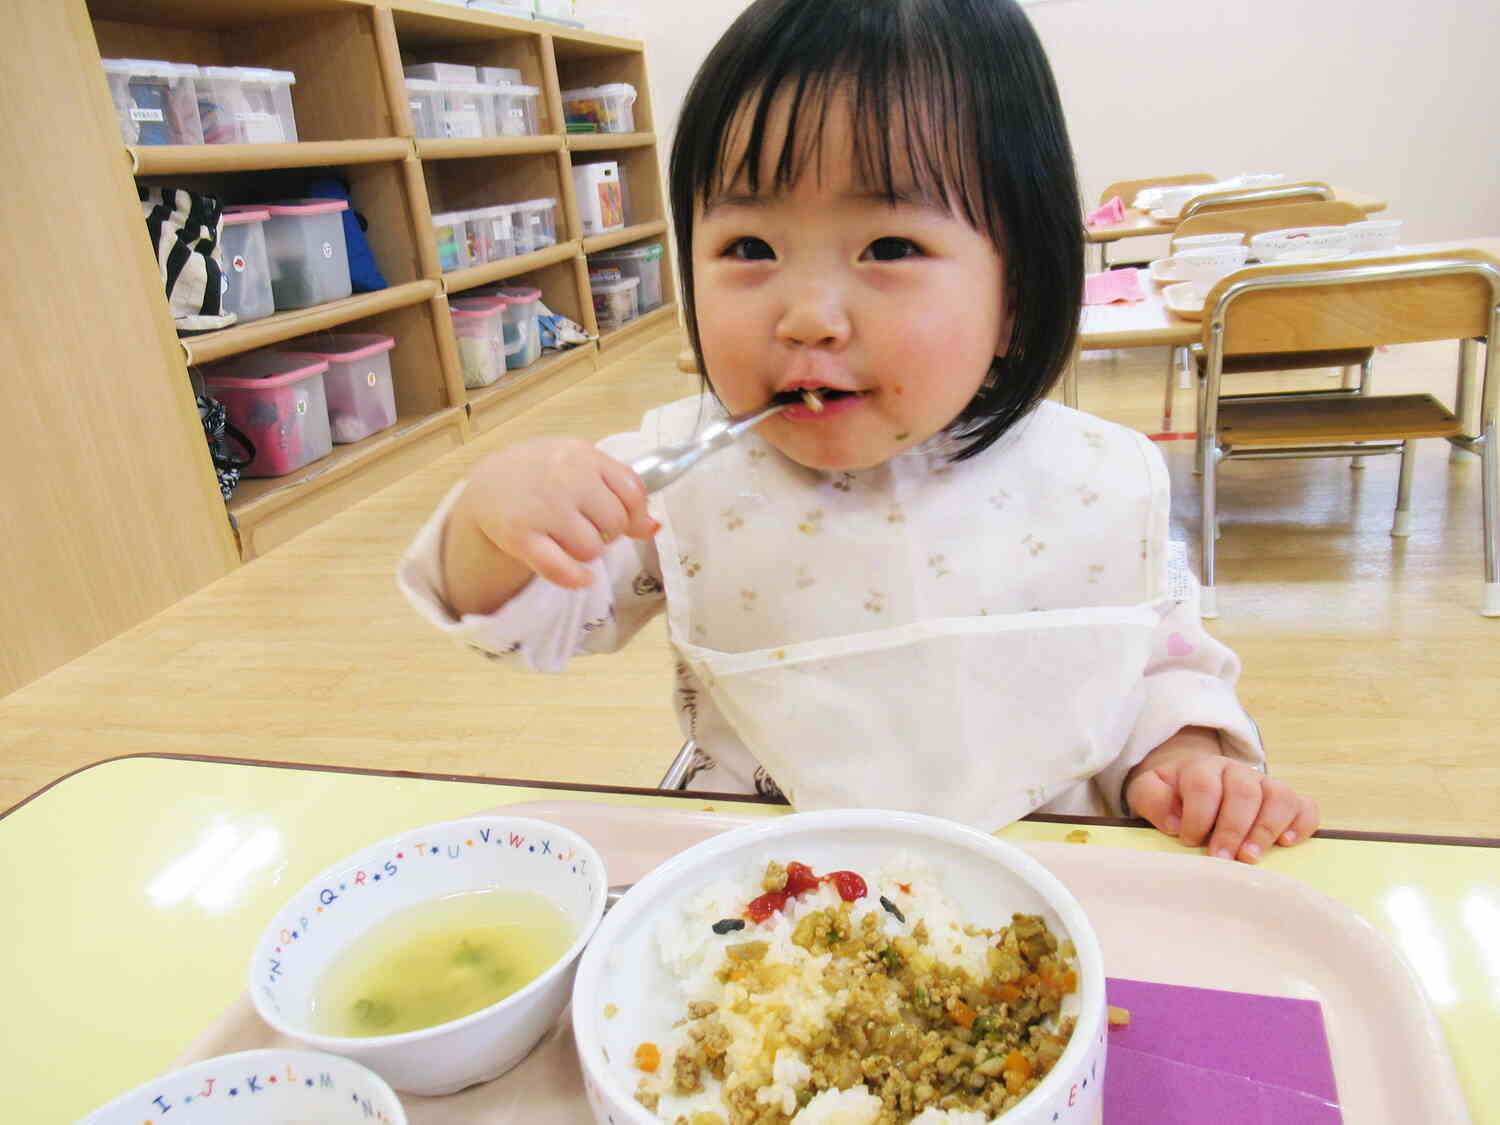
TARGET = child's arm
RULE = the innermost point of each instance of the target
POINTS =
(1189, 789)
(544, 508)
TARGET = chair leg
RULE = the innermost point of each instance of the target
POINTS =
(1208, 530)
(1171, 387)
(1364, 389)
(1463, 397)
(1489, 458)
(1401, 526)
(1202, 421)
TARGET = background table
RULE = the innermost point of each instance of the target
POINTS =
(138, 887)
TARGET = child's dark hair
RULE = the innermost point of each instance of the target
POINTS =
(967, 84)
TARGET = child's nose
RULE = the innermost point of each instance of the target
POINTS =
(815, 316)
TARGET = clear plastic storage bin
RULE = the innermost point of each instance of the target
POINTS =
(443, 72)
(465, 110)
(424, 98)
(361, 395)
(515, 109)
(535, 224)
(643, 262)
(156, 102)
(521, 332)
(600, 109)
(246, 105)
(615, 302)
(309, 258)
(276, 399)
(450, 229)
(501, 242)
(247, 264)
(478, 329)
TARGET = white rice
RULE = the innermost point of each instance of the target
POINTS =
(693, 954)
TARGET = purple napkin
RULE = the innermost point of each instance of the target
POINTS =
(1196, 1054)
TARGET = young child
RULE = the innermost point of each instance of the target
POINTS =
(931, 589)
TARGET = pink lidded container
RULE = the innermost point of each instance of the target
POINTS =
(247, 264)
(522, 333)
(277, 400)
(361, 394)
(478, 329)
(309, 257)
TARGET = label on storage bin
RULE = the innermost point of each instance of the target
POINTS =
(302, 406)
(462, 123)
(328, 250)
(137, 114)
(238, 262)
(370, 378)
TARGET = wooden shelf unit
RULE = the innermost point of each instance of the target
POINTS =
(354, 122)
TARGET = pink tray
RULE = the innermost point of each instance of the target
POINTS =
(1164, 918)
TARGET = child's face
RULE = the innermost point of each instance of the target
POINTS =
(828, 286)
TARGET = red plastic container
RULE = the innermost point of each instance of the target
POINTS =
(277, 400)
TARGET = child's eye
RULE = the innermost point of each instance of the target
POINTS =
(750, 250)
(892, 249)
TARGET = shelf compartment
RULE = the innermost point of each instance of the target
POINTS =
(269, 511)
(640, 176)
(610, 239)
(591, 142)
(382, 193)
(434, 32)
(160, 160)
(298, 322)
(521, 390)
(639, 331)
(434, 148)
(598, 61)
(340, 92)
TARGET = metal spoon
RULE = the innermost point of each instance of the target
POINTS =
(662, 466)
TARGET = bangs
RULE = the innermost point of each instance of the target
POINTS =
(911, 116)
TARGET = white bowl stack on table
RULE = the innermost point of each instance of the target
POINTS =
(628, 994)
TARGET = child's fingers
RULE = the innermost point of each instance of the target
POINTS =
(1238, 810)
(1279, 806)
(1305, 824)
(1201, 787)
(549, 559)
(606, 513)
(1155, 800)
(627, 487)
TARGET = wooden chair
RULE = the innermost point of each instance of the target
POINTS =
(1252, 219)
(1127, 190)
(1304, 191)
(1336, 305)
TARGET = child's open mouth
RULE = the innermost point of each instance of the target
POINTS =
(816, 402)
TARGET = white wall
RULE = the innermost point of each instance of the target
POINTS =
(1394, 98)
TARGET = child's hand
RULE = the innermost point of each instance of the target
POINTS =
(1189, 790)
(543, 507)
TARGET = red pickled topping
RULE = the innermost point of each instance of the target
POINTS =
(848, 884)
(767, 904)
(799, 880)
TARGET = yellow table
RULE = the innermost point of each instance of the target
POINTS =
(137, 888)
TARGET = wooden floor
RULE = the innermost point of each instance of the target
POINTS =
(1367, 665)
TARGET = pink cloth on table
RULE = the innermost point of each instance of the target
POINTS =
(1192, 1055)
(1107, 216)
(1112, 285)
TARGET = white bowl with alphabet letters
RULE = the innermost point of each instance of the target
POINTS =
(254, 1087)
(375, 958)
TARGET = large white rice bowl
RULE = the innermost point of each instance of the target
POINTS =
(657, 952)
